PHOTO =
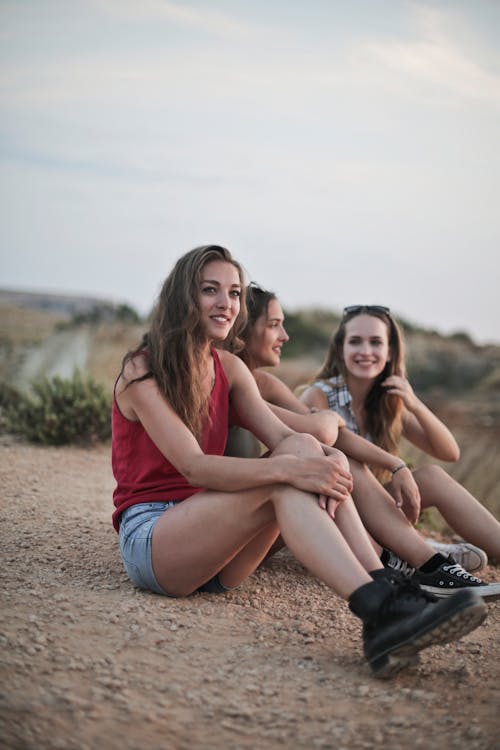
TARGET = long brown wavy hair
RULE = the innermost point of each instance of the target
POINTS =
(176, 335)
(383, 412)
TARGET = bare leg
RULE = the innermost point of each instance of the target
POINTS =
(461, 511)
(244, 563)
(388, 525)
(350, 526)
(227, 533)
(352, 529)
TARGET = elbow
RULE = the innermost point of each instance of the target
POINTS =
(451, 456)
(326, 436)
(191, 472)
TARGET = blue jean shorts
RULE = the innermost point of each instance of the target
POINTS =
(135, 534)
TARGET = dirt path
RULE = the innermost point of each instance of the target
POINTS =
(88, 662)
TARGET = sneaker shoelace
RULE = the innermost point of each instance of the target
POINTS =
(455, 569)
(396, 563)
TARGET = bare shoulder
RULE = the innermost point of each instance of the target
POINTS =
(267, 382)
(233, 366)
(134, 368)
(275, 391)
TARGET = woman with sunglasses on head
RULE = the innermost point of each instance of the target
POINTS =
(363, 379)
(264, 336)
(191, 519)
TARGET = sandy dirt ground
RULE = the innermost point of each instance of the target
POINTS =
(87, 661)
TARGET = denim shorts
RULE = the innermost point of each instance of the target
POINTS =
(136, 531)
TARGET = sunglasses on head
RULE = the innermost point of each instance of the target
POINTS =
(354, 309)
(255, 287)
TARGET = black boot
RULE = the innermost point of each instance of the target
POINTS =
(389, 574)
(399, 620)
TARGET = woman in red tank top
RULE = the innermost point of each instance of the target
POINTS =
(202, 519)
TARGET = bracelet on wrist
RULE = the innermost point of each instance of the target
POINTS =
(401, 466)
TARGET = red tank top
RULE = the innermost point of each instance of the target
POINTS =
(142, 473)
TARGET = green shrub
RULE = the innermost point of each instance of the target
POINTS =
(61, 411)
(9, 398)
(308, 335)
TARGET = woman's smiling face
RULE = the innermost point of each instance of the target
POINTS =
(219, 298)
(366, 346)
(268, 336)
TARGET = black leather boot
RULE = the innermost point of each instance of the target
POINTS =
(399, 620)
(388, 574)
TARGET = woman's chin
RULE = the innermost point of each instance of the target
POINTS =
(268, 362)
(363, 374)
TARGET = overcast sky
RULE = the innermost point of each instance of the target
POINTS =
(346, 152)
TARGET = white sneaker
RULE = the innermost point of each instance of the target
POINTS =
(469, 557)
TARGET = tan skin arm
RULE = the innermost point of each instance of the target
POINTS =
(403, 486)
(142, 401)
(420, 426)
(348, 442)
(274, 391)
(323, 425)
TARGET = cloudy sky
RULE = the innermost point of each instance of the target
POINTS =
(346, 152)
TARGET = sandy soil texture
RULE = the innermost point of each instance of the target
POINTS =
(87, 661)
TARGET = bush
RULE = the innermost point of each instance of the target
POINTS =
(9, 398)
(306, 336)
(61, 411)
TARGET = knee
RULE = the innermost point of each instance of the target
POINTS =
(430, 474)
(341, 458)
(300, 444)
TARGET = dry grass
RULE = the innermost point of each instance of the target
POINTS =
(108, 346)
(21, 325)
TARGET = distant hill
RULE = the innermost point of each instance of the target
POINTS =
(48, 334)
(66, 305)
(455, 363)
(73, 309)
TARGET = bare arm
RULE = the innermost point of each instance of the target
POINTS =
(404, 487)
(420, 426)
(274, 391)
(328, 422)
(362, 450)
(354, 446)
(323, 425)
(143, 401)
